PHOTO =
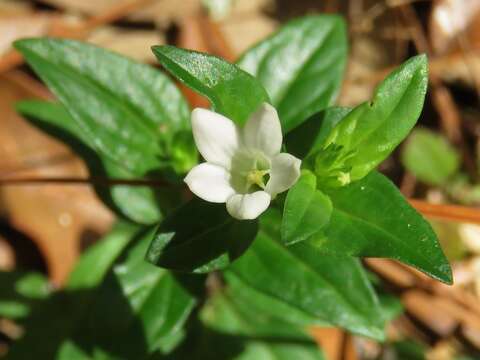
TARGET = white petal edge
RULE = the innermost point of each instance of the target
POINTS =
(263, 130)
(284, 173)
(210, 182)
(217, 137)
(248, 206)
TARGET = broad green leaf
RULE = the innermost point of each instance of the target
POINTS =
(371, 218)
(301, 66)
(97, 260)
(430, 157)
(200, 237)
(132, 311)
(306, 211)
(232, 92)
(309, 137)
(128, 110)
(327, 288)
(138, 203)
(19, 292)
(267, 305)
(258, 335)
(139, 308)
(373, 129)
(55, 319)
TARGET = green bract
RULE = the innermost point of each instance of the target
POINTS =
(140, 292)
(373, 129)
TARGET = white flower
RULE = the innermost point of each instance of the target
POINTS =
(244, 166)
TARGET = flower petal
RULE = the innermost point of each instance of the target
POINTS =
(217, 137)
(210, 182)
(263, 130)
(284, 173)
(248, 206)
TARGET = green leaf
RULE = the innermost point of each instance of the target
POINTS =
(391, 306)
(430, 157)
(301, 66)
(53, 320)
(307, 210)
(409, 349)
(200, 237)
(371, 218)
(307, 281)
(138, 203)
(128, 110)
(309, 137)
(129, 311)
(232, 92)
(98, 259)
(20, 292)
(257, 335)
(373, 129)
(139, 307)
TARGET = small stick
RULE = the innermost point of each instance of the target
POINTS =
(448, 212)
(81, 181)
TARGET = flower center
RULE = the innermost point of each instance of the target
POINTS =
(256, 177)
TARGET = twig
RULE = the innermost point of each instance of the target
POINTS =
(81, 181)
(13, 58)
(407, 186)
(28, 83)
(448, 212)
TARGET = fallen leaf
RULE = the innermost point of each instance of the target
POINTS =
(58, 218)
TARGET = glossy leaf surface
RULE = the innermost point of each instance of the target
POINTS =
(301, 66)
(56, 318)
(139, 308)
(127, 109)
(249, 334)
(371, 218)
(306, 210)
(308, 281)
(138, 203)
(232, 92)
(92, 266)
(309, 136)
(373, 129)
(132, 310)
(200, 237)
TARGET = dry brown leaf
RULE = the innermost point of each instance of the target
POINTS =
(134, 44)
(16, 27)
(330, 340)
(14, 8)
(163, 12)
(57, 218)
(425, 308)
(89, 7)
(242, 33)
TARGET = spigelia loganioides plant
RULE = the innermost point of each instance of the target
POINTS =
(284, 199)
